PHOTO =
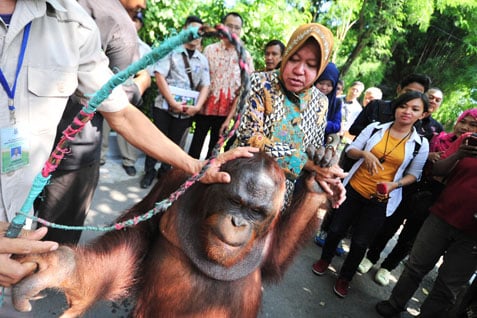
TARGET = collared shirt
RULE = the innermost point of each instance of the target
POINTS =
(349, 112)
(52, 71)
(117, 31)
(119, 42)
(173, 69)
(225, 78)
(411, 164)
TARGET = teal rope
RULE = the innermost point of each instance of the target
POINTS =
(156, 54)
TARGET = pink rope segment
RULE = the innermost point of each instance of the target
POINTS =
(62, 147)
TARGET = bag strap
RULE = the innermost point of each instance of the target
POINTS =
(188, 70)
(417, 147)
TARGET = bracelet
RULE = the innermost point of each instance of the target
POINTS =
(399, 184)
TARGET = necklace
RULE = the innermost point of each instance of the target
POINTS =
(383, 157)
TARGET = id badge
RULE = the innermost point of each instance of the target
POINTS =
(14, 147)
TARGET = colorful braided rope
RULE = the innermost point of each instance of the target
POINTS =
(88, 111)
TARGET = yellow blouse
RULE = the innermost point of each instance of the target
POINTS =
(363, 182)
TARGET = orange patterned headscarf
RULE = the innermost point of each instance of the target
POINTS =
(323, 38)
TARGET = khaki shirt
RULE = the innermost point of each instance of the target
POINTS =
(63, 57)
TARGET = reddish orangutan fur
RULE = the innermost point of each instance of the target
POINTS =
(148, 259)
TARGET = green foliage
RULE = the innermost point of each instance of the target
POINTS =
(455, 103)
(263, 20)
(377, 42)
(446, 53)
(164, 18)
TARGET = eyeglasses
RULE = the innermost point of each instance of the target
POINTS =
(233, 27)
(437, 99)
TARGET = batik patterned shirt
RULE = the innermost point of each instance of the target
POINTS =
(225, 78)
(280, 127)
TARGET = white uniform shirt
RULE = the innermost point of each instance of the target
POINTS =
(63, 57)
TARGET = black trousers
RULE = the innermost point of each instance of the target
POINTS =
(365, 215)
(66, 200)
(172, 127)
(414, 209)
(202, 126)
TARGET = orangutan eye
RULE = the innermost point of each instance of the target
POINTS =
(235, 201)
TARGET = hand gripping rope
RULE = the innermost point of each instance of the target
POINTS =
(42, 179)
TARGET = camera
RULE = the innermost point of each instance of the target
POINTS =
(472, 140)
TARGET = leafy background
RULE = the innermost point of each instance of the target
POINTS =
(376, 42)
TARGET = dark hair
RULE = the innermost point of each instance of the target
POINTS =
(235, 14)
(276, 42)
(422, 79)
(357, 83)
(340, 81)
(404, 98)
(191, 19)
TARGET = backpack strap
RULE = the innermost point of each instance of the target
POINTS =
(417, 147)
(188, 70)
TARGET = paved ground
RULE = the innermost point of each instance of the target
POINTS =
(301, 294)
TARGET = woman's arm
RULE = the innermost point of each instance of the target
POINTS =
(445, 166)
(334, 123)
(357, 150)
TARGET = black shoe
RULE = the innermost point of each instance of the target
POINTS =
(130, 170)
(147, 179)
(385, 309)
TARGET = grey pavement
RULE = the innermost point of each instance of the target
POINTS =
(300, 294)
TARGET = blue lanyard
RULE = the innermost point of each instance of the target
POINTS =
(3, 80)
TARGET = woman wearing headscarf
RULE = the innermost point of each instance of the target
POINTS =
(286, 115)
(465, 123)
(327, 84)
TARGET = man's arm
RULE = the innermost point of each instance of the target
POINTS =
(142, 80)
(229, 117)
(139, 131)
